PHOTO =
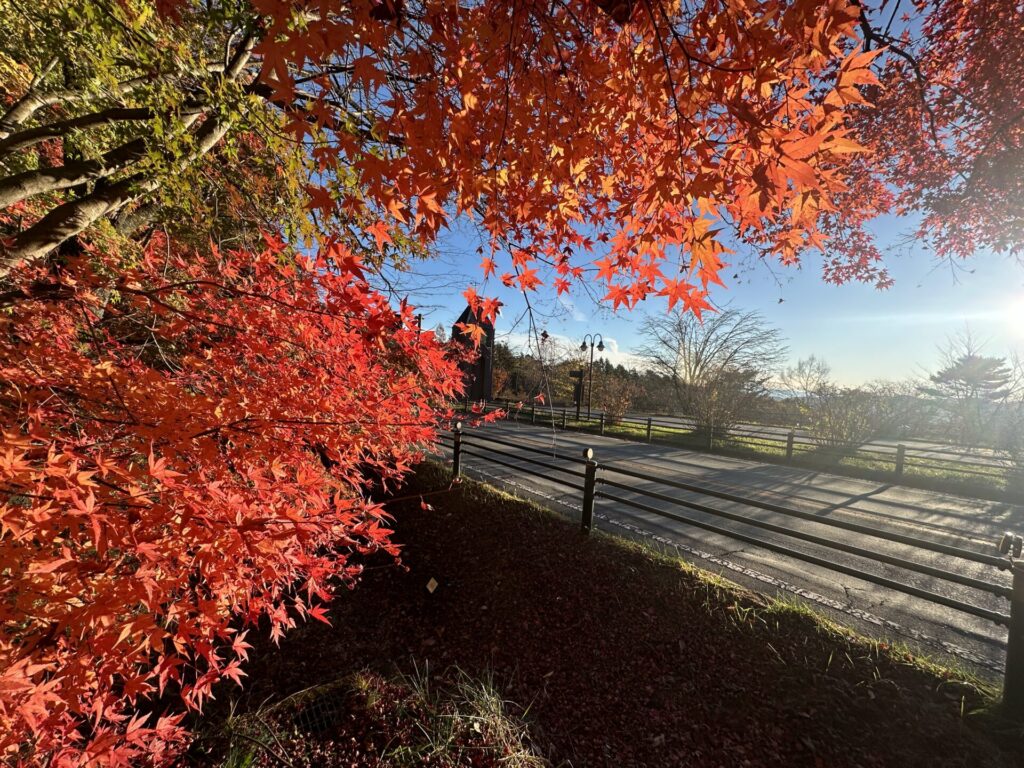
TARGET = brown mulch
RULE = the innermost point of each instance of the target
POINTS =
(623, 658)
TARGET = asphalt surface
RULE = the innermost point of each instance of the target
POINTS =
(946, 633)
(883, 449)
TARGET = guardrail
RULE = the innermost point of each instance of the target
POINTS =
(607, 482)
(903, 463)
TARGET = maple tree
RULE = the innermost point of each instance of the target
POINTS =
(637, 138)
(186, 450)
(946, 122)
(189, 426)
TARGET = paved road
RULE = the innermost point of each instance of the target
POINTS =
(875, 610)
(884, 449)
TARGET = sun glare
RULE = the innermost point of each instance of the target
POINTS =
(1015, 316)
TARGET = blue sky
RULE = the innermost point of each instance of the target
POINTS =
(861, 332)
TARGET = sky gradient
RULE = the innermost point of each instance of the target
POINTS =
(863, 333)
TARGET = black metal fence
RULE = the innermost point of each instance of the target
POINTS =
(972, 468)
(593, 481)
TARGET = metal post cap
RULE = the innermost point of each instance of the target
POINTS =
(588, 453)
(458, 426)
(1011, 544)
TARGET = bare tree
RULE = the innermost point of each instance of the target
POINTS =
(899, 410)
(720, 366)
(806, 377)
(837, 416)
(842, 417)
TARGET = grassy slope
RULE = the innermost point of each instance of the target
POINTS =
(625, 657)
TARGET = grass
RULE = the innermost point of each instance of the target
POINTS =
(364, 719)
(616, 654)
(772, 611)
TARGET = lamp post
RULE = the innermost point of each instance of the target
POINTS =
(541, 346)
(591, 338)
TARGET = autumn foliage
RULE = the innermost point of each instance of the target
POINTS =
(947, 123)
(584, 146)
(186, 453)
(190, 429)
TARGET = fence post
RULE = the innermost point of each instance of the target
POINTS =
(589, 481)
(648, 429)
(563, 418)
(901, 454)
(789, 445)
(533, 413)
(602, 423)
(457, 451)
(1013, 681)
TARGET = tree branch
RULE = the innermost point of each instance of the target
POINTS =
(42, 180)
(30, 103)
(73, 217)
(31, 136)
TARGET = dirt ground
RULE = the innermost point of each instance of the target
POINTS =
(618, 656)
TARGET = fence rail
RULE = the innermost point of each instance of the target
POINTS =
(609, 482)
(905, 463)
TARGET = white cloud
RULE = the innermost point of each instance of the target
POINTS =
(560, 347)
(570, 306)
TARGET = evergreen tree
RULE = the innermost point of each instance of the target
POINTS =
(970, 387)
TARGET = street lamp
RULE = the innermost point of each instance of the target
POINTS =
(591, 337)
(542, 344)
